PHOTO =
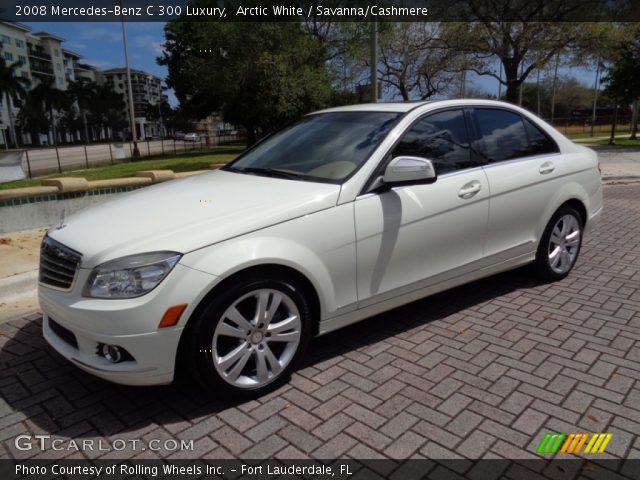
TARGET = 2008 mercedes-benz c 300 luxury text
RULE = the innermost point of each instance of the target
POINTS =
(347, 213)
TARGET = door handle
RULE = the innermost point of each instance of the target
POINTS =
(470, 189)
(546, 167)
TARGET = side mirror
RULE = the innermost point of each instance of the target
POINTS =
(409, 170)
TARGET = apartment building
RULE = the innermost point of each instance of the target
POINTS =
(42, 54)
(146, 90)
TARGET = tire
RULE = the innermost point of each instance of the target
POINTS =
(560, 245)
(230, 351)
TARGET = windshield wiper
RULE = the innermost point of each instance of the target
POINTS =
(270, 172)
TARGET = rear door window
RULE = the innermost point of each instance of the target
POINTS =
(540, 142)
(502, 134)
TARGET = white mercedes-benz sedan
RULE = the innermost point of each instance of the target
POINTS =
(347, 213)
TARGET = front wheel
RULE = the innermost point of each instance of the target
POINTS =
(560, 245)
(247, 341)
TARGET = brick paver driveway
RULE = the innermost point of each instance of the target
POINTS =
(481, 371)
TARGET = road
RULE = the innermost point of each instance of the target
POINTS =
(619, 163)
(485, 370)
(45, 160)
(616, 163)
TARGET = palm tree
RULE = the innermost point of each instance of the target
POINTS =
(51, 98)
(83, 92)
(12, 87)
(107, 110)
(32, 118)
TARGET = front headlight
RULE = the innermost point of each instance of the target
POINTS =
(131, 276)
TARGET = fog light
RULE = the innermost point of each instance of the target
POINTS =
(112, 353)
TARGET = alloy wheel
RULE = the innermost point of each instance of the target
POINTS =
(564, 244)
(256, 338)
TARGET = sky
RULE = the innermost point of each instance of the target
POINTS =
(100, 44)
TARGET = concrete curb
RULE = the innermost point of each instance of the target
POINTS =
(18, 286)
(80, 184)
(19, 294)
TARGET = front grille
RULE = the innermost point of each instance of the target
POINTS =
(65, 334)
(58, 264)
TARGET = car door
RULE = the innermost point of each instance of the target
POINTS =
(524, 168)
(411, 236)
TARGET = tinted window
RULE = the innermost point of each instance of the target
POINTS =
(442, 138)
(539, 141)
(325, 146)
(502, 134)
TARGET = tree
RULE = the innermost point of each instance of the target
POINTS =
(160, 113)
(106, 111)
(82, 92)
(622, 80)
(414, 61)
(12, 87)
(570, 94)
(260, 75)
(522, 36)
(51, 98)
(32, 118)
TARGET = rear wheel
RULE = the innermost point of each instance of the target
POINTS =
(248, 340)
(560, 245)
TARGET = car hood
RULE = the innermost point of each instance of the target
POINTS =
(187, 214)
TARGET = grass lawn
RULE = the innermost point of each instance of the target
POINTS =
(621, 142)
(180, 163)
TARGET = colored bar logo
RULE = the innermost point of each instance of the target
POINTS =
(574, 443)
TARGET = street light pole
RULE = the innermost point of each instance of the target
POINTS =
(160, 110)
(159, 103)
(596, 87)
(132, 120)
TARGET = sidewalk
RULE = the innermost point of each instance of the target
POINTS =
(619, 163)
(19, 273)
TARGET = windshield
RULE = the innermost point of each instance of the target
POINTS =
(326, 147)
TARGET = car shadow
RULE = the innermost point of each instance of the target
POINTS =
(62, 400)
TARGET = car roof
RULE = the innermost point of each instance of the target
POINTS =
(403, 107)
(376, 107)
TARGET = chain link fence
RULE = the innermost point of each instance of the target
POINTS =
(41, 161)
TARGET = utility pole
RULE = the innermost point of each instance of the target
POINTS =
(374, 62)
(160, 108)
(596, 87)
(634, 121)
(132, 119)
(553, 88)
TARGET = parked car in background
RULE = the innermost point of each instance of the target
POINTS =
(178, 135)
(347, 213)
(192, 137)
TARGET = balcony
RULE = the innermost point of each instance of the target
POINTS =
(41, 69)
(81, 66)
(39, 54)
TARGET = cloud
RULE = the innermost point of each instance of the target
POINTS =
(149, 41)
(101, 33)
(75, 45)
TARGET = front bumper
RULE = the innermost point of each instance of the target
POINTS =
(153, 353)
(131, 324)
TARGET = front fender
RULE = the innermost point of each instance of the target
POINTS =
(320, 246)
